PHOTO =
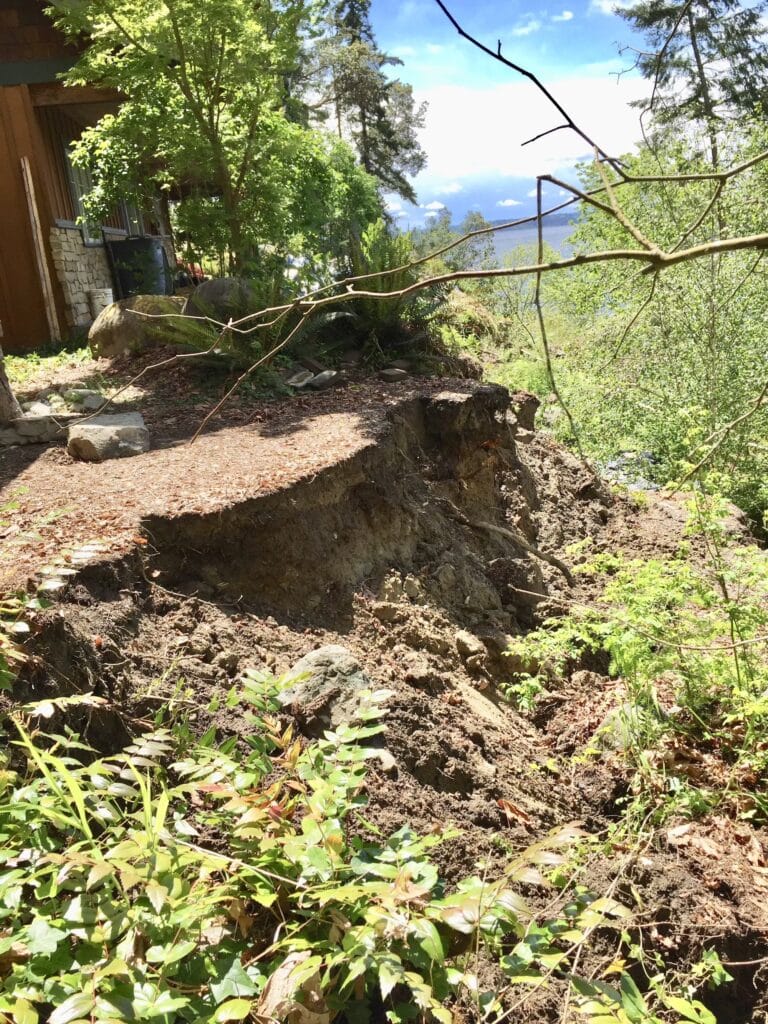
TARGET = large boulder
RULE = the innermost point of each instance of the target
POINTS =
(115, 436)
(126, 326)
(223, 299)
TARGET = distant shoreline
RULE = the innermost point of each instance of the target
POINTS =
(556, 235)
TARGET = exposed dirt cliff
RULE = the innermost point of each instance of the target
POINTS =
(441, 529)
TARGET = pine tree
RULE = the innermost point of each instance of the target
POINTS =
(708, 59)
(378, 114)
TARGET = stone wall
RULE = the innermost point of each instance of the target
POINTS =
(79, 268)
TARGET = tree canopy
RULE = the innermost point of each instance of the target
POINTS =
(208, 116)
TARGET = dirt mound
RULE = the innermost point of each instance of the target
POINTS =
(422, 552)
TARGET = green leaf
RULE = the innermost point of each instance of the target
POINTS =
(429, 939)
(176, 953)
(78, 1005)
(234, 982)
(462, 919)
(632, 1001)
(693, 1010)
(612, 908)
(42, 938)
(233, 1009)
(98, 872)
(157, 895)
(24, 1012)
(390, 974)
(441, 1014)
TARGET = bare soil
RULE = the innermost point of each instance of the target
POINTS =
(353, 518)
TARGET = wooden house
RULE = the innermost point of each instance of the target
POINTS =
(53, 269)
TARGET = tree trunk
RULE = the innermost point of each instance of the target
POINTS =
(9, 407)
(706, 95)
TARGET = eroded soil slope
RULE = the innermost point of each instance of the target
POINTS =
(421, 542)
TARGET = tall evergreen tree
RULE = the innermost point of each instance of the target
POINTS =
(708, 59)
(377, 114)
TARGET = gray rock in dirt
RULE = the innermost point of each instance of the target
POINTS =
(223, 299)
(128, 325)
(393, 375)
(329, 696)
(615, 731)
(106, 437)
(324, 380)
(84, 398)
(300, 379)
(468, 645)
(31, 429)
(399, 364)
(37, 408)
(525, 406)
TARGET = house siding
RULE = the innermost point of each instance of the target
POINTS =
(23, 322)
(47, 269)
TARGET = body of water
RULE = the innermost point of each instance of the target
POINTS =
(555, 235)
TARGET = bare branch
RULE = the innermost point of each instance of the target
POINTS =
(625, 333)
(541, 135)
(497, 55)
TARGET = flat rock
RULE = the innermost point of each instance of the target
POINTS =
(32, 429)
(393, 374)
(324, 380)
(329, 695)
(115, 436)
(300, 379)
(37, 408)
(84, 398)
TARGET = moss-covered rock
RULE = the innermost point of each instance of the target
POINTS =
(135, 324)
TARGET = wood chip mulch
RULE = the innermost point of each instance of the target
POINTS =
(51, 504)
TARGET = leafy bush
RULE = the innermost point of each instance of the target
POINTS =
(689, 640)
(197, 880)
(663, 364)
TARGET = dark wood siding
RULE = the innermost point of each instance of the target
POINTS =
(27, 33)
(23, 309)
(58, 130)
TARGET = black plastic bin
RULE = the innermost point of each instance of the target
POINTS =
(139, 267)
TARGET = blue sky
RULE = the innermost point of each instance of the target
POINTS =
(479, 112)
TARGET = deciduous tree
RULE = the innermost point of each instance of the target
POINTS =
(207, 116)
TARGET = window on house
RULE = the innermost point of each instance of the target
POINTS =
(81, 183)
(131, 219)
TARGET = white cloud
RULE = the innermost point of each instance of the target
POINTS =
(607, 6)
(393, 206)
(451, 189)
(434, 206)
(509, 202)
(533, 193)
(431, 213)
(565, 16)
(478, 130)
(527, 28)
(433, 48)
